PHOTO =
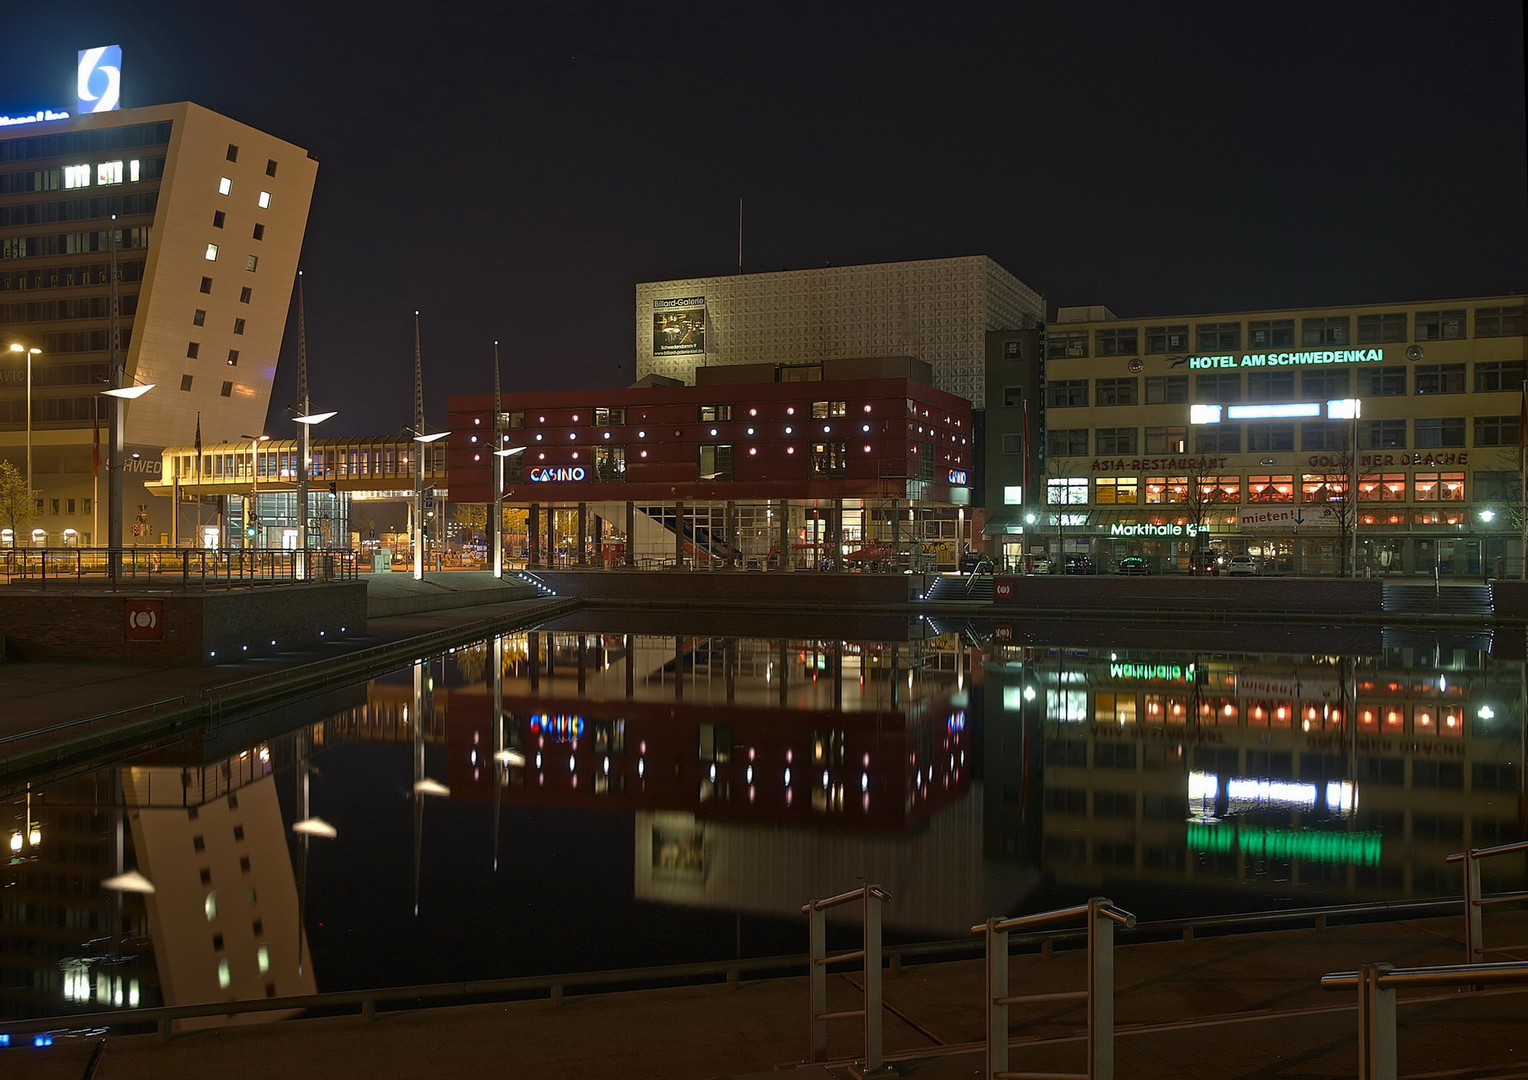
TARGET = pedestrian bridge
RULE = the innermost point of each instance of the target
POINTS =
(362, 464)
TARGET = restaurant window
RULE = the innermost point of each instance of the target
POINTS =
(1271, 489)
(1325, 435)
(1441, 325)
(1382, 381)
(1270, 333)
(1270, 384)
(1382, 434)
(716, 462)
(830, 458)
(1270, 437)
(1378, 329)
(1440, 379)
(1166, 339)
(823, 409)
(1382, 487)
(1067, 442)
(1217, 439)
(1496, 430)
(1499, 375)
(1220, 489)
(1117, 391)
(1115, 490)
(1166, 389)
(1116, 342)
(1218, 335)
(1324, 384)
(1324, 330)
(1066, 491)
(1066, 393)
(1166, 489)
(1116, 440)
(1438, 486)
(1323, 487)
(1166, 440)
(609, 417)
(1499, 321)
(1222, 386)
(710, 414)
(1435, 431)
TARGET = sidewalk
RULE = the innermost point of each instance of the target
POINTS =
(1243, 1006)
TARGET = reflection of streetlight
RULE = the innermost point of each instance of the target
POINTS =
(430, 787)
(253, 512)
(315, 826)
(132, 882)
(29, 354)
(498, 506)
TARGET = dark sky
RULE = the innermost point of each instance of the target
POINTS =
(513, 170)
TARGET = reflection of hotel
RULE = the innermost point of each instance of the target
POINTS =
(1297, 773)
(1148, 428)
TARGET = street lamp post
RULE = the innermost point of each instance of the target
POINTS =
(120, 396)
(419, 454)
(1350, 409)
(304, 469)
(498, 505)
(252, 511)
(29, 354)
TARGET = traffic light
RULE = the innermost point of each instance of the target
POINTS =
(334, 488)
(249, 530)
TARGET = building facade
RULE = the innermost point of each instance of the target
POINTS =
(190, 225)
(1236, 432)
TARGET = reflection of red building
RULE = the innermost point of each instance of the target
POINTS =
(866, 770)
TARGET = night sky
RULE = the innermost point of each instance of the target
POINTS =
(513, 170)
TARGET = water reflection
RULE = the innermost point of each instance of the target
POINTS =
(589, 795)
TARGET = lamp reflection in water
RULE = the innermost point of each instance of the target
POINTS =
(307, 826)
(425, 787)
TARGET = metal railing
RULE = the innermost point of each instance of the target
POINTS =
(1377, 984)
(1101, 915)
(1475, 901)
(175, 568)
(871, 897)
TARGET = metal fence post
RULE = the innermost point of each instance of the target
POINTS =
(817, 983)
(1100, 991)
(997, 1000)
(872, 904)
(1474, 932)
(1376, 1024)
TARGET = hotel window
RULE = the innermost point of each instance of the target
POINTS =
(259, 232)
(233, 152)
(1117, 490)
(1116, 440)
(1166, 389)
(199, 318)
(1166, 489)
(1382, 382)
(227, 390)
(1382, 434)
(225, 185)
(265, 200)
(1440, 379)
(710, 414)
(1013, 397)
(1323, 487)
(1067, 491)
(1327, 330)
(1442, 325)
(1378, 329)
(1275, 384)
(1124, 391)
(822, 409)
(1166, 339)
(218, 217)
(1067, 442)
(1217, 439)
(206, 284)
(1116, 342)
(1066, 393)
(270, 168)
(716, 462)
(1270, 438)
(830, 459)
(185, 382)
(1438, 487)
(1325, 435)
(607, 417)
(212, 253)
(1069, 344)
(1223, 386)
(1499, 321)
(1323, 384)
(192, 348)
(1166, 440)
(1270, 333)
(1436, 431)
(1499, 375)
(238, 326)
(1496, 430)
(1218, 335)
(244, 294)
(233, 357)
(76, 176)
(1271, 489)
(252, 262)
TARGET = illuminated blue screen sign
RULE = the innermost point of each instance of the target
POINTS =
(99, 79)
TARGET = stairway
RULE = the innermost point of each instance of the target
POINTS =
(1436, 600)
(949, 587)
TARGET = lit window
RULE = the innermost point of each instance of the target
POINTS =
(109, 172)
(265, 200)
(212, 253)
(133, 171)
(76, 176)
(252, 262)
(224, 978)
(225, 185)
(263, 958)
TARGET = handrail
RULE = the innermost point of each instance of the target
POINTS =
(871, 897)
(1474, 899)
(1377, 984)
(185, 567)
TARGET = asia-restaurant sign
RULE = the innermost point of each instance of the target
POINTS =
(1002, 589)
(143, 620)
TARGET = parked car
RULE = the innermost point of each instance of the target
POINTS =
(1133, 564)
(1039, 564)
(1207, 561)
(1078, 563)
(975, 562)
(1246, 566)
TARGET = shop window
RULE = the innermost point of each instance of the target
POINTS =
(1118, 391)
(1441, 325)
(1491, 375)
(1379, 329)
(1270, 333)
(1066, 393)
(1166, 389)
(1116, 490)
(1271, 489)
(1438, 431)
(1499, 321)
(1221, 386)
(1066, 442)
(1116, 440)
(1116, 342)
(1325, 330)
(1166, 339)
(1166, 440)
(1496, 430)
(1066, 491)
(1218, 335)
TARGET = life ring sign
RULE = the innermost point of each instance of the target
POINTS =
(144, 620)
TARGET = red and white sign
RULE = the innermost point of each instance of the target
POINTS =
(144, 620)
(1002, 588)
(1002, 633)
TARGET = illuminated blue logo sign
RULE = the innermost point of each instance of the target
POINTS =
(543, 474)
(99, 79)
(37, 117)
(958, 477)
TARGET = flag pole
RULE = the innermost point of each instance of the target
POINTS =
(1522, 484)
